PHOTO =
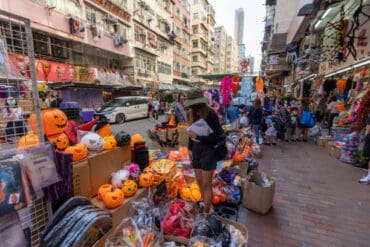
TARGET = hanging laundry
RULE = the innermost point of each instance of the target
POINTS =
(95, 32)
(75, 26)
(118, 41)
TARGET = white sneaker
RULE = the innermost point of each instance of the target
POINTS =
(365, 180)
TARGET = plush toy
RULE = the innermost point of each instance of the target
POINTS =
(120, 176)
(134, 170)
(93, 141)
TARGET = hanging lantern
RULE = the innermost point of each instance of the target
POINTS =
(259, 84)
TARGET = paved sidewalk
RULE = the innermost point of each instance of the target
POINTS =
(318, 201)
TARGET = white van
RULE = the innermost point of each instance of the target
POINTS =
(125, 108)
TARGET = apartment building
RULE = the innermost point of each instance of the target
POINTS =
(220, 50)
(181, 50)
(153, 42)
(81, 42)
(232, 60)
(211, 40)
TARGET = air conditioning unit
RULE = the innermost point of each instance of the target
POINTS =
(59, 48)
(41, 44)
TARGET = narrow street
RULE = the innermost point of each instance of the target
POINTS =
(318, 201)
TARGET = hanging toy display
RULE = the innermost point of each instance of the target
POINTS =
(235, 81)
(259, 84)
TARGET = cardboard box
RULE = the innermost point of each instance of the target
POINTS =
(258, 198)
(103, 164)
(123, 211)
(81, 178)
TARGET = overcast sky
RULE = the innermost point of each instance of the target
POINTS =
(254, 13)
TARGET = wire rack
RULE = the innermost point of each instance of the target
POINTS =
(18, 84)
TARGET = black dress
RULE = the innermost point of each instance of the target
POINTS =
(204, 153)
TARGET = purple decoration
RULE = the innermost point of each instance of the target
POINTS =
(64, 188)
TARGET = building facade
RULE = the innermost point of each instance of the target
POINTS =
(232, 61)
(181, 51)
(220, 49)
(153, 42)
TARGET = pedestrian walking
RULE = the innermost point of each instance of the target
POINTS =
(366, 151)
(156, 105)
(333, 112)
(256, 119)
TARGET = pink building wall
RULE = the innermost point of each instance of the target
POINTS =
(55, 22)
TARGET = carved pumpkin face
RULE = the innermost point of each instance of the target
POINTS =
(105, 131)
(93, 141)
(146, 179)
(60, 140)
(123, 139)
(109, 142)
(54, 121)
(28, 140)
(215, 199)
(113, 198)
(129, 188)
(104, 189)
(79, 151)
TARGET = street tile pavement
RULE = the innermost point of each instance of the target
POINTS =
(318, 201)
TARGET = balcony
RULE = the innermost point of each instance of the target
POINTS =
(201, 64)
(199, 36)
(198, 49)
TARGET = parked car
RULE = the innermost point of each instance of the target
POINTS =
(125, 108)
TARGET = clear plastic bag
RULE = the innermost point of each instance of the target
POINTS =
(260, 179)
(126, 234)
(179, 220)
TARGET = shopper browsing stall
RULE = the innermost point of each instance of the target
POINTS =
(203, 148)
(333, 112)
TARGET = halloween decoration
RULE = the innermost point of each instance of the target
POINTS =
(119, 177)
(93, 141)
(136, 138)
(54, 121)
(109, 142)
(123, 139)
(146, 179)
(28, 140)
(129, 188)
(104, 189)
(61, 140)
(134, 170)
(113, 198)
(103, 128)
(79, 151)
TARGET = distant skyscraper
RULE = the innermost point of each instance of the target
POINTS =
(239, 25)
